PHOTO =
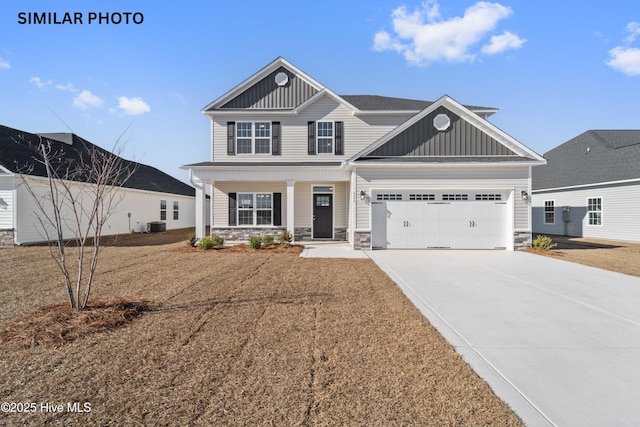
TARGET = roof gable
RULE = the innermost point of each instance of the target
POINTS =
(16, 154)
(462, 134)
(595, 156)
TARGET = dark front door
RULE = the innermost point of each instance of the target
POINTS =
(322, 216)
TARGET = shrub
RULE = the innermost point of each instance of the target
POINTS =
(285, 237)
(210, 242)
(543, 243)
(255, 242)
(191, 240)
(217, 240)
(206, 243)
(268, 240)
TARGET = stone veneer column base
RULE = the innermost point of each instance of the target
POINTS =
(362, 240)
(6, 238)
(521, 240)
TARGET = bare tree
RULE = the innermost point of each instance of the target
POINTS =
(83, 189)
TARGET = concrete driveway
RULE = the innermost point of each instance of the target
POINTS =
(558, 341)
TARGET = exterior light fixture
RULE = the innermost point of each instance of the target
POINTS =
(362, 194)
(524, 195)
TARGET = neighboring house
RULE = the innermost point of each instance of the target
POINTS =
(590, 187)
(149, 195)
(378, 172)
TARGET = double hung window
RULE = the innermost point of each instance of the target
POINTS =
(594, 211)
(255, 209)
(549, 212)
(163, 210)
(176, 210)
(253, 137)
(325, 138)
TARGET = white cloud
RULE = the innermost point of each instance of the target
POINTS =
(66, 88)
(423, 37)
(133, 106)
(86, 99)
(4, 64)
(634, 31)
(625, 59)
(41, 84)
(503, 42)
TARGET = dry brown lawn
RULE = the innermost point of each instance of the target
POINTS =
(622, 257)
(263, 338)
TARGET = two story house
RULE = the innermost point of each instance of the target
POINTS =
(287, 153)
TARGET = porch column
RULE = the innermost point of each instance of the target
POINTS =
(290, 208)
(201, 210)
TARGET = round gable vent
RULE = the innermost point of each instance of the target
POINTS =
(441, 122)
(282, 78)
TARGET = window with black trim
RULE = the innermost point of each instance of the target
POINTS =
(253, 137)
(255, 209)
(324, 138)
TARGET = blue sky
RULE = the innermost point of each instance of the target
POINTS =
(553, 69)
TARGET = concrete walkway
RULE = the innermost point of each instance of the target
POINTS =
(559, 342)
(330, 249)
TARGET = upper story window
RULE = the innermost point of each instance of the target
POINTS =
(324, 138)
(253, 137)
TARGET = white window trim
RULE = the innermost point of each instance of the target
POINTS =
(176, 210)
(253, 138)
(544, 212)
(333, 205)
(255, 209)
(163, 210)
(333, 137)
(588, 217)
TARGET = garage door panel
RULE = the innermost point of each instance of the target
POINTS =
(455, 225)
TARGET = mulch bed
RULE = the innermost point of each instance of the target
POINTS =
(58, 324)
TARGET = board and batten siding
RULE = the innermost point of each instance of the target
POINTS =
(620, 208)
(359, 133)
(302, 195)
(506, 179)
(144, 207)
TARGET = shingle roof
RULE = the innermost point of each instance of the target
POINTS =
(16, 152)
(385, 103)
(593, 157)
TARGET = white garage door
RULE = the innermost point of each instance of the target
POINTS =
(433, 224)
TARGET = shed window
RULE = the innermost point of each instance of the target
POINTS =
(549, 212)
(594, 211)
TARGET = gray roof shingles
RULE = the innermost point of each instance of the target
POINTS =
(16, 152)
(596, 156)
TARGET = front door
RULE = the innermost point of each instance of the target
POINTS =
(322, 216)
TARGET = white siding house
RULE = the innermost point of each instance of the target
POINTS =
(148, 196)
(590, 187)
(287, 153)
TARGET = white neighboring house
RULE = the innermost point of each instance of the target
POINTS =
(590, 187)
(148, 196)
(378, 172)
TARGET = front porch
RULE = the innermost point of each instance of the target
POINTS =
(312, 203)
